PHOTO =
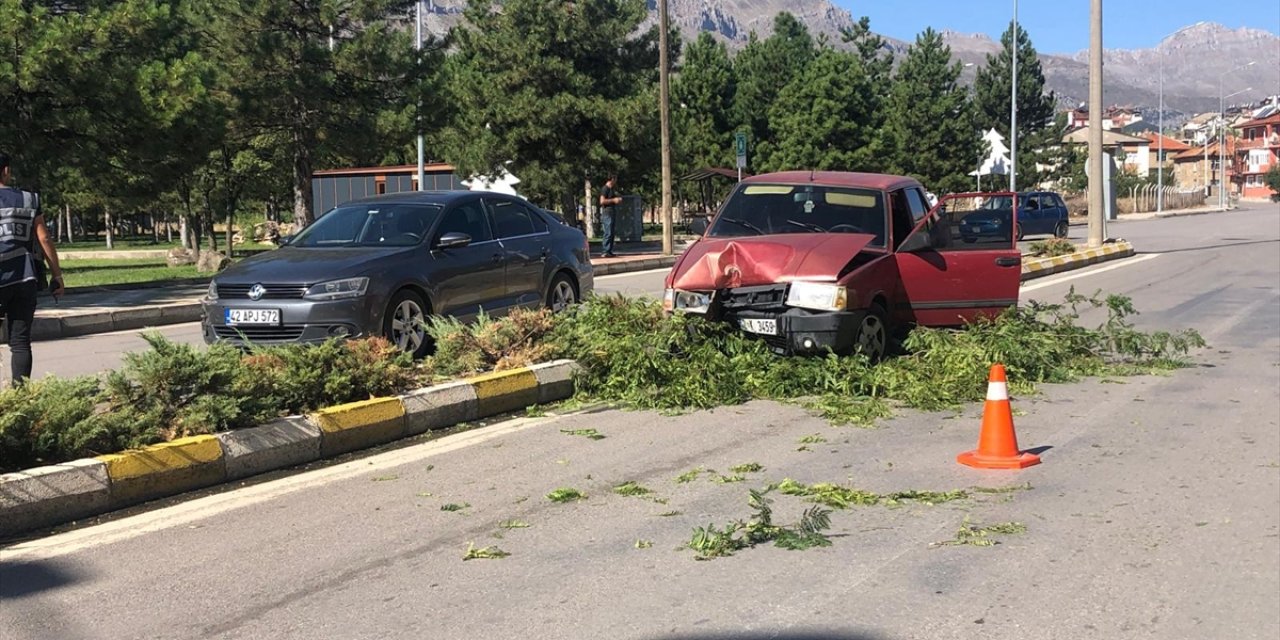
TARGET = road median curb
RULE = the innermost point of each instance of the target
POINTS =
(51, 495)
(1040, 267)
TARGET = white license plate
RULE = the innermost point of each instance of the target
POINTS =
(253, 316)
(768, 327)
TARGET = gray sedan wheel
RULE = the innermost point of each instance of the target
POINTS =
(562, 294)
(405, 323)
(873, 334)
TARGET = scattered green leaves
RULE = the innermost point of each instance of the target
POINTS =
(840, 497)
(691, 475)
(813, 439)
(980, 536)
(483, 553)
(715, 542)
(453, 506)
(747, 467)
(644, 544)
(565, 494)
(631, 488)
(586, 433)
(513, 524)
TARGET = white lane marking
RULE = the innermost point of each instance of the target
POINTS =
(633, 273)
(1057, 280)
(210, 506)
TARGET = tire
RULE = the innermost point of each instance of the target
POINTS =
(1017, 232)
(873, 334)
(404, 323)
(562, 294)
(1060, 230)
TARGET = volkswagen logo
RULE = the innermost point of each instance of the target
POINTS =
(257, 291)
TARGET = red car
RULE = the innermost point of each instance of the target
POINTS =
(811, 261)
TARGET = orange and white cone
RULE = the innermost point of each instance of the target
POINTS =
(998, 443)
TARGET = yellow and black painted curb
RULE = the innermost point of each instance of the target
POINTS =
(1038, 268)
(57, 494)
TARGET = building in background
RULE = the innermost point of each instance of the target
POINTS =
(332, 187)
(1257, 151)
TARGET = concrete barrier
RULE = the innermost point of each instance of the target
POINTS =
(1038, 268)
(164, 469)
(46, 496)
(283, 443)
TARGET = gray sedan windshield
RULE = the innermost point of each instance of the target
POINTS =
(380, 224)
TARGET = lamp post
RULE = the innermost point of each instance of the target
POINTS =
(1222, 167)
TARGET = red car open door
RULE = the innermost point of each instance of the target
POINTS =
(949, 278)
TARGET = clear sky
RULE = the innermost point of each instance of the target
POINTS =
(1062, 26)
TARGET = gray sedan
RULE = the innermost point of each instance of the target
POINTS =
(381, 266)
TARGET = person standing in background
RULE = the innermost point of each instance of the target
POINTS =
(609, 201)
(21, 227)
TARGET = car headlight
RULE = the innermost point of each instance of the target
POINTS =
(213, 291)
(687, 301)
(338, 289)
(818, 296)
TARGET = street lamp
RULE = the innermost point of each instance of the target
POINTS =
(1160, 141)
(1222, 167)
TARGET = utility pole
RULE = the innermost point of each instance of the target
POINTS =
(1160, 141)
(664, 111)
(1096, 196)
(418, 48)
(1013, 112)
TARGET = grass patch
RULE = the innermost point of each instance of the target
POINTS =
(563, 495)
(96, 273)
(1052, 248)
(483, 553)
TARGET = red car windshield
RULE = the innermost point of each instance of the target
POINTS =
(768, 209)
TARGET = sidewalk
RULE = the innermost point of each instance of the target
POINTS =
(100, 311)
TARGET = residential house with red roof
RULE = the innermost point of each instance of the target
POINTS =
(1256, 153)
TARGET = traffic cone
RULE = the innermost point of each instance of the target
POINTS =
(997, 444)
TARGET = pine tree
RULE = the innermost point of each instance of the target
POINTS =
(1036, 134)
(821, 119)
(561, 91)
(930, 131)
(702, 96)
(877, 60)
(284, 76)
(761, 69)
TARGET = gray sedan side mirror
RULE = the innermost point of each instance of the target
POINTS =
(453, 240)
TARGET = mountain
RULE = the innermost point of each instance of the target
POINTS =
(1195, 58)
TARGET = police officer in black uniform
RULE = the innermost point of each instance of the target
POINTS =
(21, 226)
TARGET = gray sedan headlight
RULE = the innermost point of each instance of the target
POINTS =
(338, 289)
(213, 291)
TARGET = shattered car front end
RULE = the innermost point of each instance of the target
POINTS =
(792, 318)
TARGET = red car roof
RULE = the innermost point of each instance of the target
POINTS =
(881, 181)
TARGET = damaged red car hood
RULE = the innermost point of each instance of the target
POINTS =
(726, 263)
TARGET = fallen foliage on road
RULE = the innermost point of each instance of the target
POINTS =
(631, 353)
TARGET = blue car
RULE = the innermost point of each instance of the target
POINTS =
(1039, 213)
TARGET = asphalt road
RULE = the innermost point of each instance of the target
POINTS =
(1156, 512)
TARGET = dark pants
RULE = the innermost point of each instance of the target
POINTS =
(18, 308)
(606, 230)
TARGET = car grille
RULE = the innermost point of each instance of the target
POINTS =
(282, 333)
(274, 291)
(765, 297)
(777, 343)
